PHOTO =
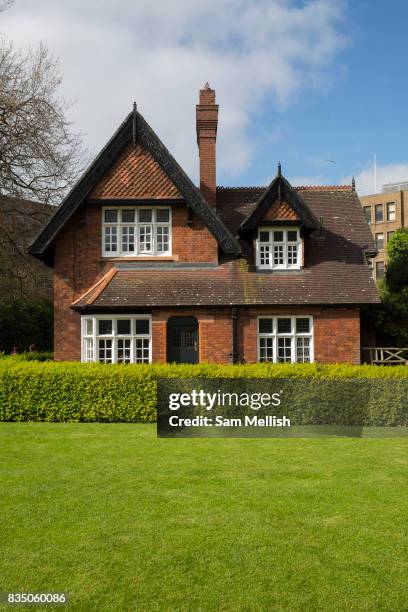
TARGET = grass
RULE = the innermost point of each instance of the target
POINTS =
(121, 520)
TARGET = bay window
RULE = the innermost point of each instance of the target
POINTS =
(278, 248)
(136, 231)
(285, 339)
(116, 339)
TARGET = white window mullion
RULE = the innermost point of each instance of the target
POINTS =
(115, 349)
(287, 338)
(121, 233)
(275, 340)
(284, 254)
(133, 341)
(127, 335)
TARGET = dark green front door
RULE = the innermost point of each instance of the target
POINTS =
(182, 340)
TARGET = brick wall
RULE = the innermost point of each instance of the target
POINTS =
(77, 267)
(79, 264)
(385, 227)
(214, 329)
(195, 243)
(206, 123)
(336, 333)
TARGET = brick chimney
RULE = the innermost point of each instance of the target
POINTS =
(207, 120)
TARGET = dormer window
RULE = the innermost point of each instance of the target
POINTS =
(278, 248)
(136, 231)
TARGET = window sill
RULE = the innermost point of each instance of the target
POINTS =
(142, 258)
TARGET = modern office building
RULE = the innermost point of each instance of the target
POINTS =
(385, 213)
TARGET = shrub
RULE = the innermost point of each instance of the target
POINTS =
(24, 322)
(389, 320)
(28, 356)
(50, 391)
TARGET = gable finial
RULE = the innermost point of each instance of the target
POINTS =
(279, 169)
(207, 85)
(134, 126)
(353, 184)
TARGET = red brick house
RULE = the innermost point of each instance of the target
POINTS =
(148, 267)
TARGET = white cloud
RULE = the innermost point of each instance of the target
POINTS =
(161, 52)
(391, 173)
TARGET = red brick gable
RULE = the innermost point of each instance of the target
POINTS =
(135, 174)
(280, 211)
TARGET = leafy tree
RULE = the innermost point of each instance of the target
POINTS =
(389, 320)
(397, 269)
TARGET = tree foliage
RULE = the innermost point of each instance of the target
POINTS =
(25, 322)
(40, 156)
(397, 269)
(389, 320)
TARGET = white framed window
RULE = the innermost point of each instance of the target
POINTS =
(116, 339)
(136, 231)
(285, 339)
(278, 248)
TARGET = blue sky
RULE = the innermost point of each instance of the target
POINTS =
(300, 82)
(365, 110)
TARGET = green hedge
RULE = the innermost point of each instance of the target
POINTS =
(50, 391)
(28, 356)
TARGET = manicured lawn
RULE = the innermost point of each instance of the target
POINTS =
(123, 521)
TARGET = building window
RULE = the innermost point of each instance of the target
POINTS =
(132, 231)
(116, 339)
(279, 249)
(379, 213)
(367, 214)
(379, 241)
(389, 236)
(379, 270)
(285, 339)
(391, 211)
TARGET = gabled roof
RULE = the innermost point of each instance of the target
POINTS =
(134, 127)
(280, 190)
(335, 272)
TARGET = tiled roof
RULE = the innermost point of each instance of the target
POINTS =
(135, 175)
(280, 211)
(233, 283)
(161, 178)
(324, 188)
(335, 269)
(341, 210)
